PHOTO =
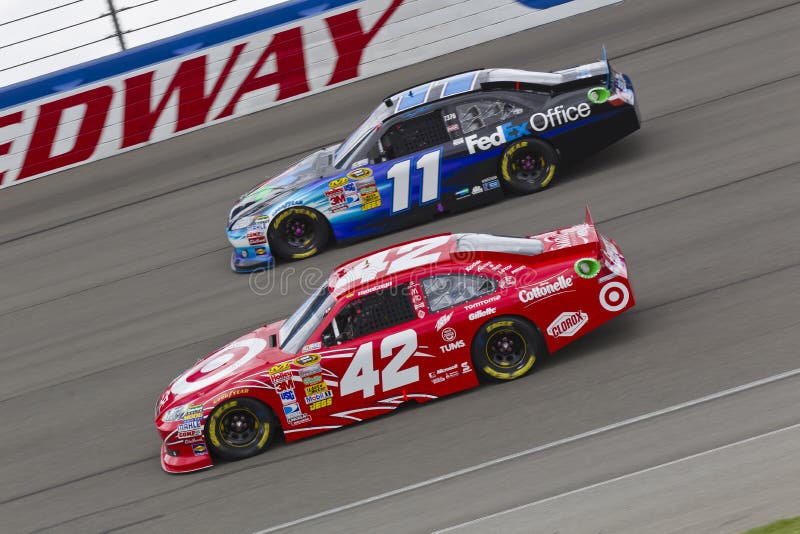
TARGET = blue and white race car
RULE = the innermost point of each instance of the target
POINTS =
(441, 147)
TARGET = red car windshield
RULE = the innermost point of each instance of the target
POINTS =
(297, 328)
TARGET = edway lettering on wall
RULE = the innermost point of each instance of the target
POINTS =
(194, 96)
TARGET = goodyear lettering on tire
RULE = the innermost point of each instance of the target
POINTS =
(506, 163)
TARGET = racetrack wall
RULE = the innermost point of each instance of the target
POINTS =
(237, 67)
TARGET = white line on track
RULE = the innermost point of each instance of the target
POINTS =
(534, 450)
(616, 479)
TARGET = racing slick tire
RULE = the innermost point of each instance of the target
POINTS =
(506, 348)
(298, 233)
(528, 165)
(240, 428)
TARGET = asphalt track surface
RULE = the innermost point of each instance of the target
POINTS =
(114, 278)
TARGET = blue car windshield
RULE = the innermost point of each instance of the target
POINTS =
(296, 330)
(293, 173)
(352, 142)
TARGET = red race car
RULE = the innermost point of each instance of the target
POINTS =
(412, 322)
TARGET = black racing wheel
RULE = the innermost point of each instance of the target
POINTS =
(506, 348)
(240, 428)
(298, 233)
(528, 165)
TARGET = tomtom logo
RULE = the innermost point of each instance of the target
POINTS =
(482, 302)
(567, 324)
(559, 116)
(543, 290)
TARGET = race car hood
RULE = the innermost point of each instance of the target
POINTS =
(309, 169)
(232, 366)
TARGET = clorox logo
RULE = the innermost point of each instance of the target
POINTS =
(567, 324)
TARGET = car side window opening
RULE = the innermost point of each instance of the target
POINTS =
(413, 135)
(480, 113)
(368, 314)
(448, 290)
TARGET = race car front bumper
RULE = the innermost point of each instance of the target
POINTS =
(251, 262)
(247, 257)
(180, 460)
(182, 451)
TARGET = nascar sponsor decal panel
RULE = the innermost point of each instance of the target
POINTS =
(139, 97)
(545, 289)
(538, 123)
(614, 296)
(567, 324)
(446, 373)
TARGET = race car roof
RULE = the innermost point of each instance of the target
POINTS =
(384, 263)
(378, 267)
(469, 81)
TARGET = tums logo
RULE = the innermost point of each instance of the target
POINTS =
(453, 346)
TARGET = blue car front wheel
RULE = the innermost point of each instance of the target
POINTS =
(298, 232)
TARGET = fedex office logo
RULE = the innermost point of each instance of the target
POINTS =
(539, 122)
(185, 93)
(504, 133)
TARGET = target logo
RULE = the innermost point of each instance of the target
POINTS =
(614, 296)
(218, 366)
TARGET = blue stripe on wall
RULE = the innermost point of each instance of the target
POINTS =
(171, 47)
